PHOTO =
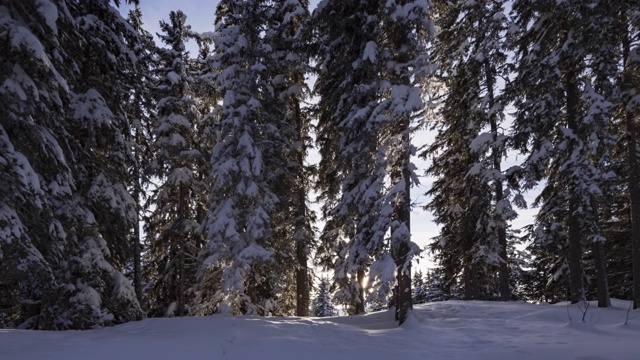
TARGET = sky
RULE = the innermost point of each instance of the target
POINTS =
(201, 15)
(453, 330)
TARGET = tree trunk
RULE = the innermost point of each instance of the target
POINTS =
(501, 226)
(360, 301)
(302, 281)
(302, 237)
(601, 274)
(634, 175)
(576, 285)
(135, 245)
(181, 250)
(403, 214)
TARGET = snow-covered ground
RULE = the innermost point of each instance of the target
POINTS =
(445, 330)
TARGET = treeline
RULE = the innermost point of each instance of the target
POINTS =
(102, 130)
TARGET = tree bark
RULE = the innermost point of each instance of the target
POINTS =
(403, 214)
(634, 175)
(182, 214)
(601, 274)
(501, 226)
(302, 281)
(302, 241)
(576, 285)
(360, 301)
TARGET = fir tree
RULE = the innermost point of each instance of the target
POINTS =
(322, 302)
(70, 187)
(420, 290)
(561, 124)
(141, 112)
(173, 223)
(287, 64)
(249, 249)
(371, 99)
(469, 198)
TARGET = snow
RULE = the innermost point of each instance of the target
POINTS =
(441, 330)
(49, 12)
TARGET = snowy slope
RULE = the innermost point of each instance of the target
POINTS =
(446, 330)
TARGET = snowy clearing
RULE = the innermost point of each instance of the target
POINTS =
(443, 330)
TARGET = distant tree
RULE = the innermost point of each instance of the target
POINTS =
(322, 305)
(435, 287)
(419, 287)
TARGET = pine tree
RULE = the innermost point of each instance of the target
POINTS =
(74, 277)
(435, 288)
(287, 64)
(628, 26)
(251, 248)
(349, 183)
(469, 198)
(322, 306)
(420, 290)
(141, 112)
(370, 98)
(561, 124)
(173, 222)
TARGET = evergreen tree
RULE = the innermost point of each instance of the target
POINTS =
(435, 287)
(287, 64)
(62, 195)
(141, 111)
(348, 181)
(370, 98)
(173, 223)
(420, 290)
(322, 302)
(627, 23)
(253, 221)
(561, 124)
(469, 198)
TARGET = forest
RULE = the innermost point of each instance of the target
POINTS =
(138, 179)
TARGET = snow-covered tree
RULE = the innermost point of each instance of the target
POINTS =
(322, 305)
(468, 197)
(369, 87)
(419, 288)
(287, 63)
(254, 219)
(141, 111)
(348, 181)
(562, 122)
(172, 235)
(63, 266)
